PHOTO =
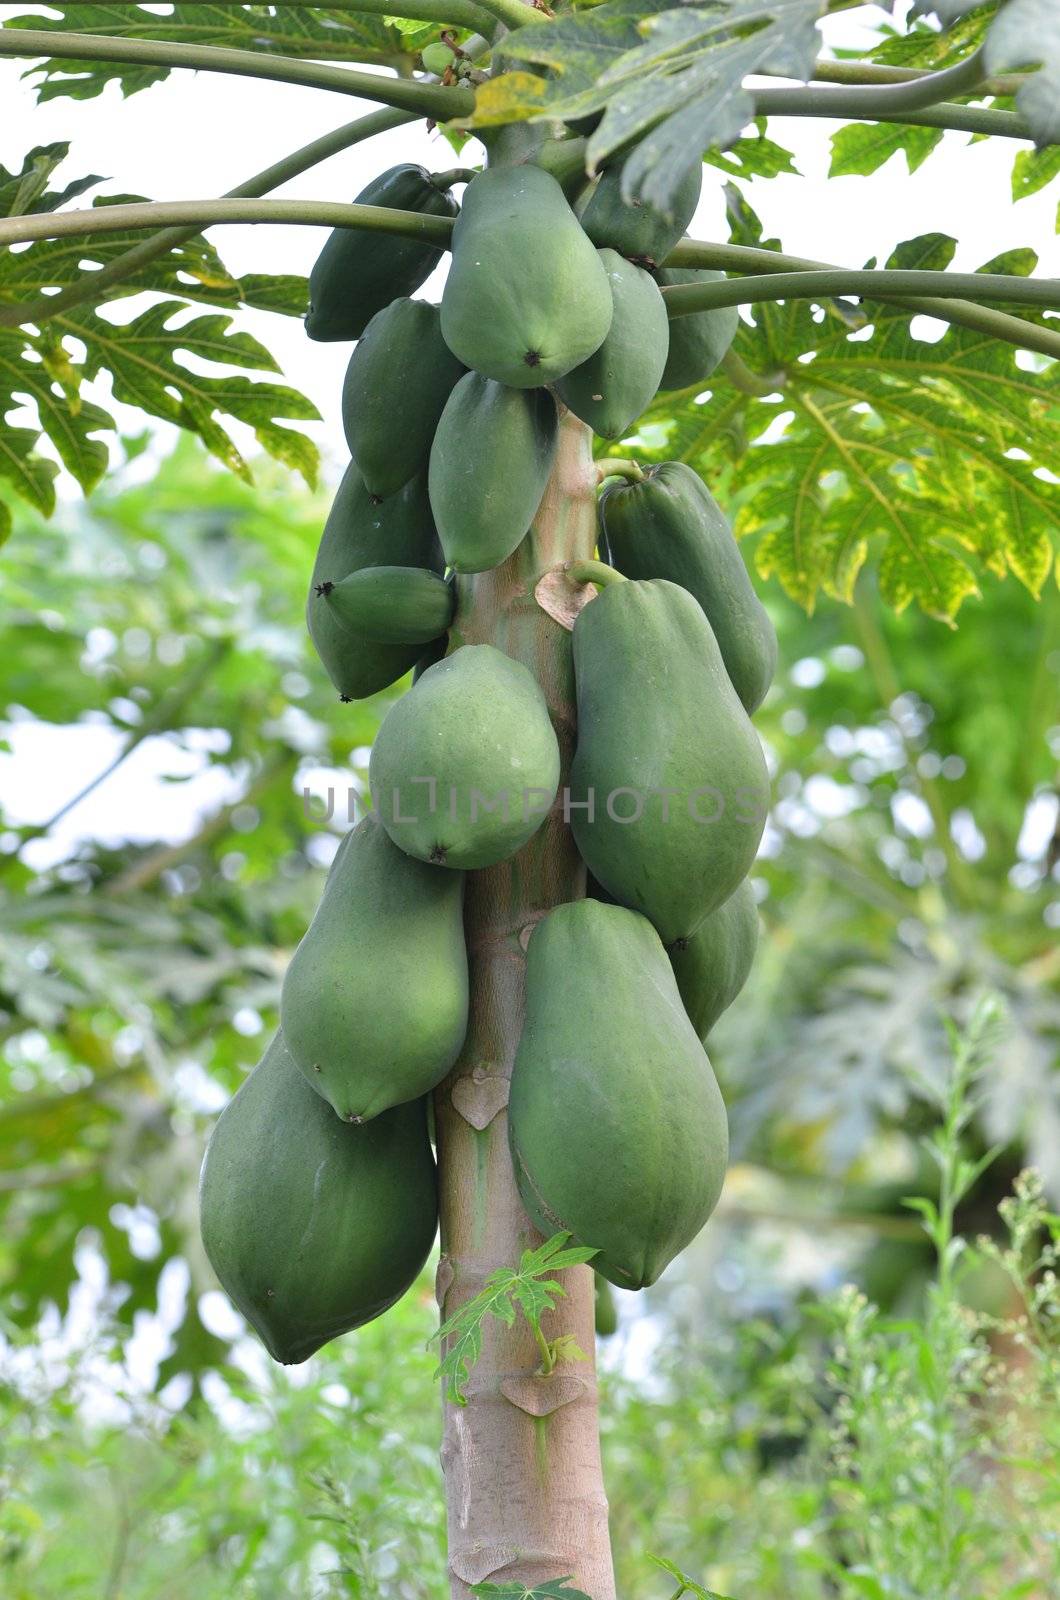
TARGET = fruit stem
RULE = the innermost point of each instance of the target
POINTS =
(597, 572)
(445, 180)
(548, 1360)
(615, 467)
(565, 160)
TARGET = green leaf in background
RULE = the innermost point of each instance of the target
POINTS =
(757, 157)
(864, 147)
(315, 32)
(1033, 169)
(26, 192)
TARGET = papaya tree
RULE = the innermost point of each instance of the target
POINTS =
(526, 524)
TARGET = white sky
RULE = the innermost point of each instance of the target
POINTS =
(194, 136)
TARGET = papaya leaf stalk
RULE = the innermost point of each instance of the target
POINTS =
(406, 94)
(852, 72)
(92, 285)
(981, 319)
(685, 299)
(830, 103)
(691, 252)
(205, 213)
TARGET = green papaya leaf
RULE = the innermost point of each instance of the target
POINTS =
(315, 32)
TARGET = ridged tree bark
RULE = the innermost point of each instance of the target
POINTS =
(523, 1477)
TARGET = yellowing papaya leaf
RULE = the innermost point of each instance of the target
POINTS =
(512, 97)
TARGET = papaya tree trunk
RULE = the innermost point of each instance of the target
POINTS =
(523, 1479)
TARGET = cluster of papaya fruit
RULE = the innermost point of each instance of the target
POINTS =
(318, 1193)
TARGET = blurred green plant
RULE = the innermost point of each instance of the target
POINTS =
(831, 1454)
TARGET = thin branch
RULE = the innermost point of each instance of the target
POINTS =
(156, 721)
(39, 1106)
(981, 319)
(845, 105)
(140, 255)
(685, 299)
(423, 99)
(47, 1177)
(206, 213)
(141, 874)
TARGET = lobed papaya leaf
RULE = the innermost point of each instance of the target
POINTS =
(528, 1289)
(879, 444)
(315, 32)
(41, 377)
(668, 80)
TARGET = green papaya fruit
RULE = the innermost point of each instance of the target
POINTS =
(668, 788)
(670, 526)
(374, 1003)
(489, 465)
(713, 965)
(466, 765)
(358, 273)
(526, 298)
(612, 388)
(398, 380)
(635, 228)
(397, 605)
(617, 1125)
(359, 533)
(699, 340)
(606, 1312)
(313, 1227)
(437, 58)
